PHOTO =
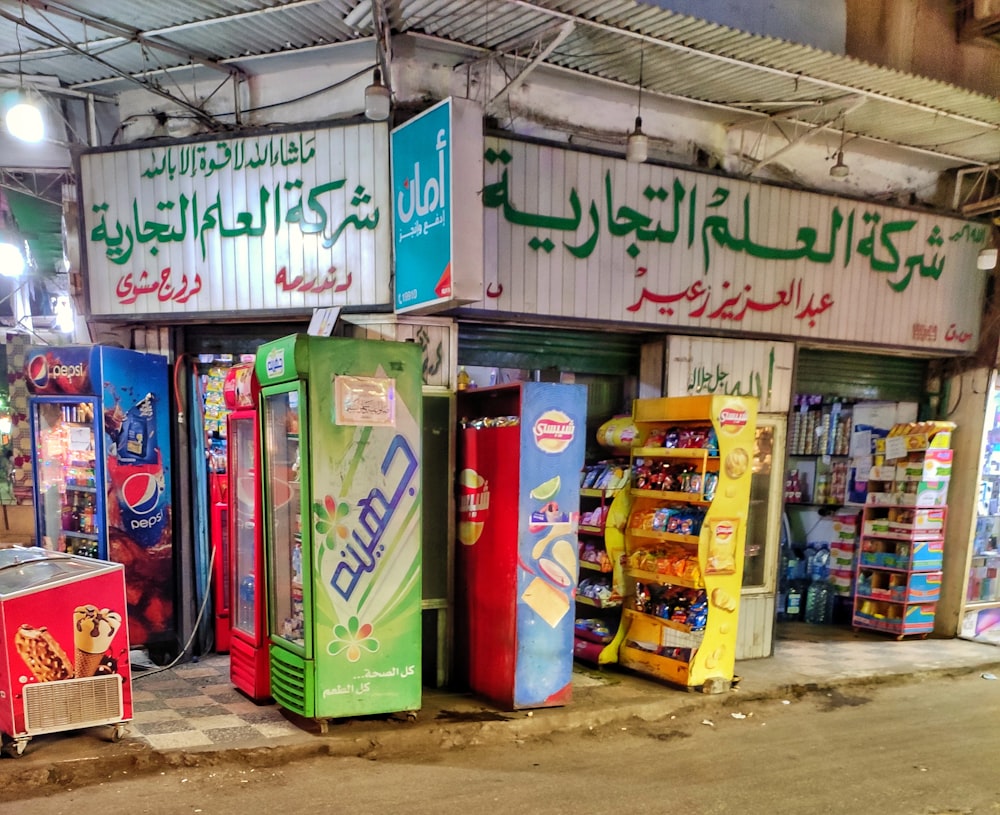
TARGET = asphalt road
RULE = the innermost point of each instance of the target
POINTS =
(920, 748)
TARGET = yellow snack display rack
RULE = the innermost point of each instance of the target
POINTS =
(684, 542)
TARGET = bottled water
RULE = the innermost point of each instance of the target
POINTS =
(819, 602)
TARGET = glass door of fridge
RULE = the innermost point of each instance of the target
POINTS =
(284, 494)
(761, 556)
(244, 486)
(69, 505)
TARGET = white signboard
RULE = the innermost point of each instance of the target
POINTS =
(710, 367)
(277, 222)
(576, 235)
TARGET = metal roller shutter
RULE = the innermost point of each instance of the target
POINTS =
(532, 348)
(861, 376)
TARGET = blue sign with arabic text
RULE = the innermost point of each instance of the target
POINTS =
(421, 200)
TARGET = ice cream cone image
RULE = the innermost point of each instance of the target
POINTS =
(93, 631)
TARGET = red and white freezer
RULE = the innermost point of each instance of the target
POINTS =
(64, 645)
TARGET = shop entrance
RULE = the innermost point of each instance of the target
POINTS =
(842, 403)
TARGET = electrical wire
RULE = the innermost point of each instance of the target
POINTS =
(194, 630)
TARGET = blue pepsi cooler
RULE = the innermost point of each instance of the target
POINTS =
(101, 471)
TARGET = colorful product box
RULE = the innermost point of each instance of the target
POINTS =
(922, 587)
(916, 520)
(922, 494)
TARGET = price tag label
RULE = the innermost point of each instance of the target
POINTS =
(895, 447)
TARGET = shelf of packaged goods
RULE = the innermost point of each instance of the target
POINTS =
(919, 535)
(91, 536)
(672, 452)
(588, 601)
(639, 659)
(663, 537)
(588, 492)
(900, 628)
(594, 567)
(587, 529)
(81, 488)
(897, 601)
(979, 605)
(819, 455)
(631, 615)
(823, 505)
(673, 580)
(663, 495)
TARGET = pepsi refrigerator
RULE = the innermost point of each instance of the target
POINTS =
(249, 661)
(99, 419)
(521, 450)
(341, 424)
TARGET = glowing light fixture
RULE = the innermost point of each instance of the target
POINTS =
(378, 99)
(23, 117)
(637, 145)
(64, 314)
(12, 263)
(987, 259)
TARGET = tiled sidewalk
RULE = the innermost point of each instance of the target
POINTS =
(195, 705)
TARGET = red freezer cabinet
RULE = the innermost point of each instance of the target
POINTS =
(64, 645)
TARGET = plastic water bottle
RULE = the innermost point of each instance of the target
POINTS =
(819, 602)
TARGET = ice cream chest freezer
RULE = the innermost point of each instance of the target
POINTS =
(64, 646)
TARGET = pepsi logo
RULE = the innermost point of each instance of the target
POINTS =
(141, 493)
(38, 371)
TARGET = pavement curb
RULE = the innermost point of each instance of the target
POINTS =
(433, 729)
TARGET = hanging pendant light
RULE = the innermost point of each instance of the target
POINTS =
(637, 144)
(378, 100)
(840, 168)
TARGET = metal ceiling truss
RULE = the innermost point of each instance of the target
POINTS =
(829, 112)
(123, 34)
(45, 185)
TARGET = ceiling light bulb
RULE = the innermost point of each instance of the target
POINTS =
(378, 100)
(24, 121)
(840, 170)
(637, 146)
(11, 260)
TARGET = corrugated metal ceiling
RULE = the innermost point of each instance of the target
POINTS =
(681, 56)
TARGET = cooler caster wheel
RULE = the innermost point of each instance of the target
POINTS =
(15, 748)
(118, 732)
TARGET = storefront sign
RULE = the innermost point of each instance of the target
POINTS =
(437, 172)
(718, 367)
(592, 237)
(278, 222)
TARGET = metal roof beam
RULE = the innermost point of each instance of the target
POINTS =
(797, 77)
(200, 114)
(561, 34)
(130, 34)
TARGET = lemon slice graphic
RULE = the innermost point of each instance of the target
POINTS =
(546, 490)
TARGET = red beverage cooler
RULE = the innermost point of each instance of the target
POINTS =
(249, 659)
(520, 456)
(221, 583)
(64, 648)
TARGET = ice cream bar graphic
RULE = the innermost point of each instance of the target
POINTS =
(93, 631)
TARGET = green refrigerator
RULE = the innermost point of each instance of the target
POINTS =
(341, 447)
